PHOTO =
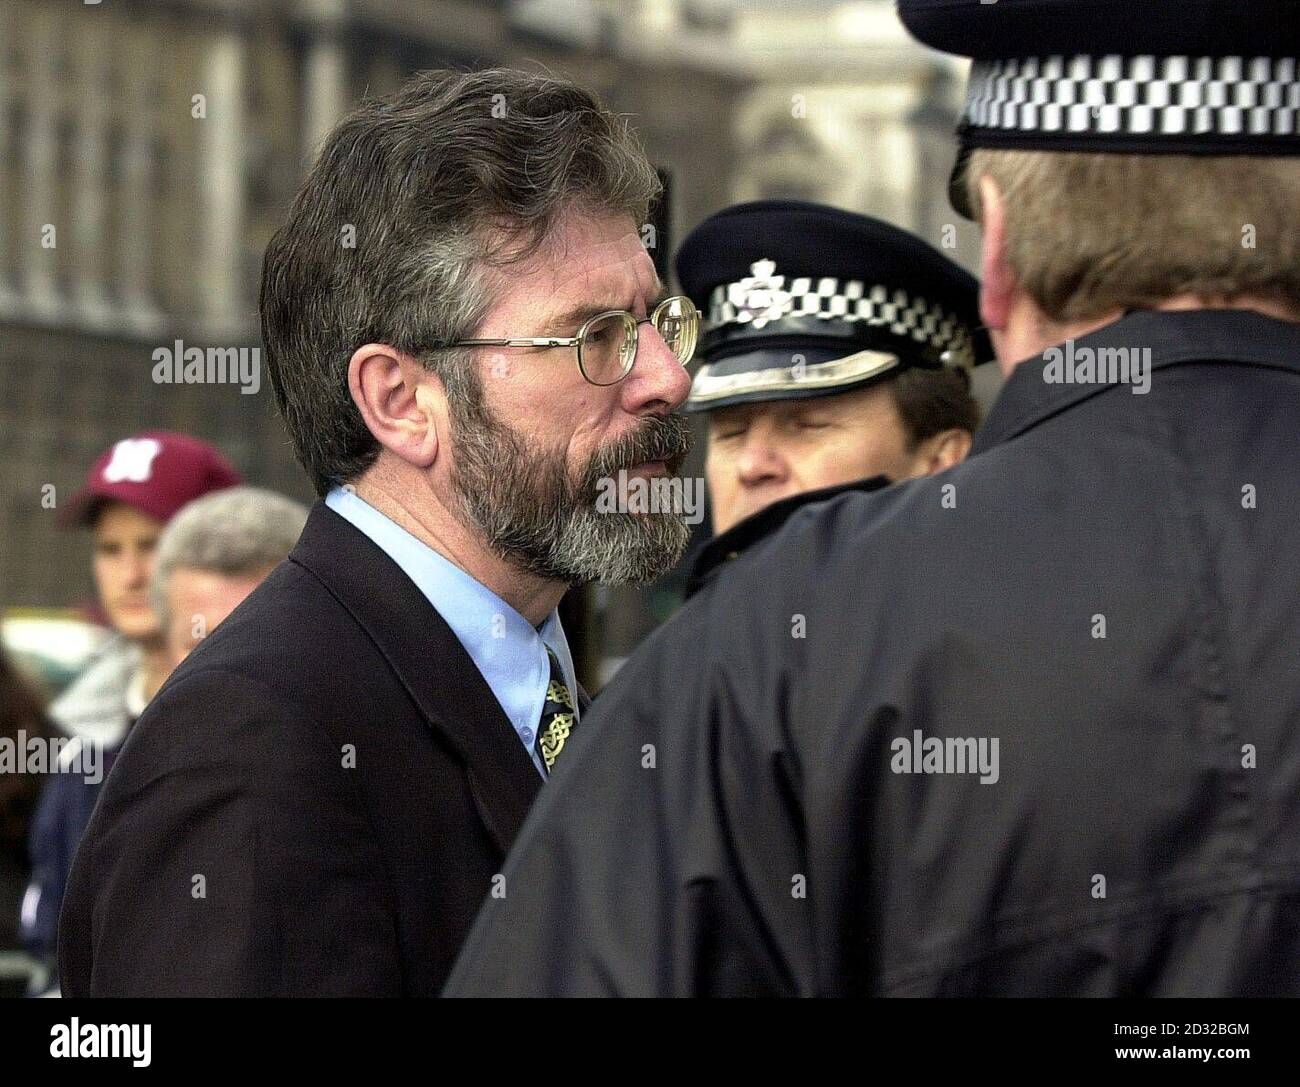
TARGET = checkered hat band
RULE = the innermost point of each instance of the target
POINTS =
(1137, 96)
(853, 301)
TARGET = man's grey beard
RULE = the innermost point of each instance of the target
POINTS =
(532, 515)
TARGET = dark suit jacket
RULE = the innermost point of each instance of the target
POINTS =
(314, 804)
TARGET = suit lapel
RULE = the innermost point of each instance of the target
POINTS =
(431, 663)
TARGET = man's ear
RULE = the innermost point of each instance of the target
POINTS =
(941, 451)
(403, 404)
(997, 281)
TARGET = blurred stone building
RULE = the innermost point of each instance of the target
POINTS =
(149, 148)
(148, 151)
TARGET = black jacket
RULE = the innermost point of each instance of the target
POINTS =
(747, 536)
(314, 804)
(742, 818)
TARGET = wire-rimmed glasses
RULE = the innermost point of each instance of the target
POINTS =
(606, 343)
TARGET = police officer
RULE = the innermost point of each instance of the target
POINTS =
(1029, 726)
(837, 354)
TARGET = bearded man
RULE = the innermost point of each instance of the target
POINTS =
(465, 336)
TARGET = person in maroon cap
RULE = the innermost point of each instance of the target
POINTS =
(132, 491)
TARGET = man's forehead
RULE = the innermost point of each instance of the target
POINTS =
(120, 517)
(587, 268)
(586, 264)
(842, 403)
(753, 409)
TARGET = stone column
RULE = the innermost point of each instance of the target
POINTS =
(137, 213)
(8, 296)
(89, 175)
(39, 180)
(325, 73)
(222, 181)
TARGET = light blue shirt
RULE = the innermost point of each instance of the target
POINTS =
(507, 649)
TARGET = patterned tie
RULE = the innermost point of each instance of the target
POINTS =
(559, 716)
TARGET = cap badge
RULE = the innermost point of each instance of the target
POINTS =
(132, 460)
(759, 297)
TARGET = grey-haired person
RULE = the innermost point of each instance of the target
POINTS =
(214, 553)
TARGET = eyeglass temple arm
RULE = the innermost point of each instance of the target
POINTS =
(532, 341)
(518, 341)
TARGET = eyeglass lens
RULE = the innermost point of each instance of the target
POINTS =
(678, 324)
(607, 346)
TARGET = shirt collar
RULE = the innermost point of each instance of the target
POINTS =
(507, 650)
(1174, 337)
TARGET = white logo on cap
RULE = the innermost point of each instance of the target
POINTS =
(760, 297)
(132, 460)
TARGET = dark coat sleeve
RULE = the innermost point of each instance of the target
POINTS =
(634, 874)
(50, 858)
(229, 849)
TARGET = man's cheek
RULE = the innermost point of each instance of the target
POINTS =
(109, 586)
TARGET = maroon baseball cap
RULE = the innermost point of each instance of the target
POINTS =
(156, 472)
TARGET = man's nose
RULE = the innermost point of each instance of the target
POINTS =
(760, 460)
(658, 380)
(139, 568)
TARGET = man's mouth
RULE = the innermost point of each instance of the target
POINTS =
(659, 451)
(648, 468)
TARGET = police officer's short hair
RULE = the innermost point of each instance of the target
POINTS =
(1089, 234)
(932, 401)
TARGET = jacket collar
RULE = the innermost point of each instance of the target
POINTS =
(1174, 337)
(724, 547)
(429, 661)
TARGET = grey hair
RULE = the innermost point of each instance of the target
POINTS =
(413, 200)
(239, 531)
